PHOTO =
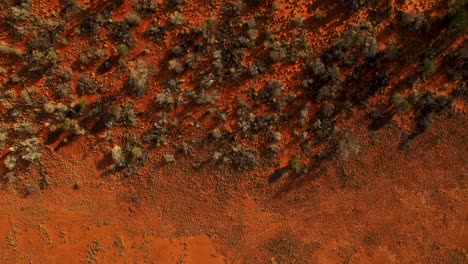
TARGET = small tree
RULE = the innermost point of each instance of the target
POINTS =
(123, 50)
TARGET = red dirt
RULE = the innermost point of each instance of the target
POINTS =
(396, 206)
(383, 205)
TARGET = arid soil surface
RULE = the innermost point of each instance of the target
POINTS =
(296, 132)
(396, 207)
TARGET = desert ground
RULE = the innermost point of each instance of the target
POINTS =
(251, 131)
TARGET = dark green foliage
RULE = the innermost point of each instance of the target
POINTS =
(346, 144)
(328, 91)
(319, 15)
(129, 115)
(177, 50)
(173, 85)
(298, 22)
(273, 8)
(30, 150)
(273, 150)
(176, 65)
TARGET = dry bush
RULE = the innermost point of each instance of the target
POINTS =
(137, 85)
(8, 49)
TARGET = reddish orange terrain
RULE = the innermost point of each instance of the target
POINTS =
(249, 131)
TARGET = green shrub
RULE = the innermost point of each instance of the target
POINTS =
(116, 111)
(66, 124)
(429, 68)
(123, 50)
(137, 152)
